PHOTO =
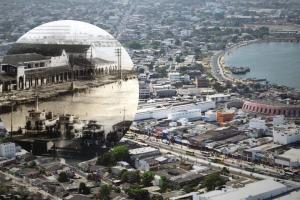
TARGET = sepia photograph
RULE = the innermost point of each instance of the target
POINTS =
(150, 100)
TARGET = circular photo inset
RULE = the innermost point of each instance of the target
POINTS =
(69, 89)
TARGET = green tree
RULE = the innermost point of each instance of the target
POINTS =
(188, 188)
(3, 189)
(124, 175)
(218, 87)
(121, 153)
(134, 45)
(137, 193)
(213, 181)
(63, 177)
(178, 59)
(141, 70)
(147, 178)
(104, 192)
(161, 72)
(163, 183)
(106, 159)
(83, 189)
(130, 177)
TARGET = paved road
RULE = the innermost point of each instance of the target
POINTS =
(199, 158)
(216, 69)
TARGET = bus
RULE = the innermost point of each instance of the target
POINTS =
(190, 153)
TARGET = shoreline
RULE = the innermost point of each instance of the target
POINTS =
(269, 40)
(231, 77)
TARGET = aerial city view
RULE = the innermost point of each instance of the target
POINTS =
(150, 100)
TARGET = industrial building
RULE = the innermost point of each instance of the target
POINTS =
(143, 152)
(192, 114)
(162, 112)
(164, 93)
(260, 190)
(290, 158)
(219, 97)
(213, 135)
(256, 123)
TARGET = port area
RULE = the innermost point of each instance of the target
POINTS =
(224, 73)
(46, 92)
(239, 70)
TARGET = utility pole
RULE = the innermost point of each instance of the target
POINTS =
(11, 118)
(71, 60)
(119, 54)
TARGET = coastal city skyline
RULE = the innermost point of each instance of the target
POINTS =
(150, 100)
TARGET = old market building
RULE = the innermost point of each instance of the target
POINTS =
(57, 52)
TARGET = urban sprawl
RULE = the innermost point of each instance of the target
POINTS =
(200, 132)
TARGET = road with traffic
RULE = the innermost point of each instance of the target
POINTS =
(199, 158)
(216, 69)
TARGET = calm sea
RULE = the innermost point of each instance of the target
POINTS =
(278, 62)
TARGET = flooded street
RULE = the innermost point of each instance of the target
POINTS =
(106, 104)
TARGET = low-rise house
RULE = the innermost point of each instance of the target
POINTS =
(290, 158)
(143, 152)
(147, 164)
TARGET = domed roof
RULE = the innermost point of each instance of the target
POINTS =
(72, 36)
(65, 32)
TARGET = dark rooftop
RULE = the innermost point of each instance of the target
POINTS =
(47, 49)
(16, 59)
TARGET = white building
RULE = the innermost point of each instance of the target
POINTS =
(259, 124)
(210, 116)
(188, 114)
(278, 120)
(144, 152)
(169, 41)
(174, 76)
(290, 158)
(185, 78)
(142, 76)
(163, 112)
(260, 190)
(8, 150)
(218, 97)
(185, 33)
(286, 134)
(20, 68)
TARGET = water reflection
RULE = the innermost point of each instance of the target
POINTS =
(106, 104)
